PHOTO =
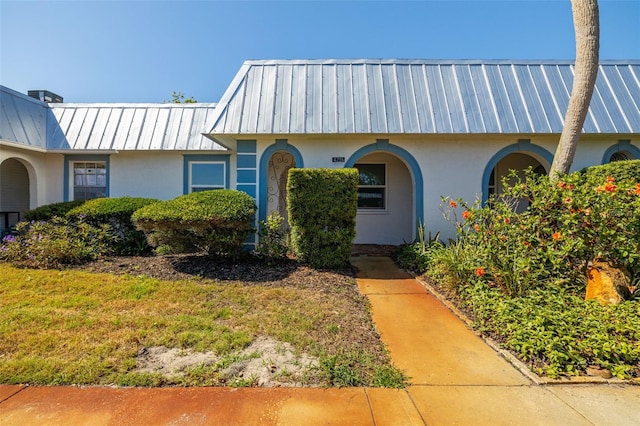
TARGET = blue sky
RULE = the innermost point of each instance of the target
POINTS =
(141, 51)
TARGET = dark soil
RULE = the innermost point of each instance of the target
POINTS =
(248, 270)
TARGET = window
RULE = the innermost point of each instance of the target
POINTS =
(372, 186)
(206, 175)
(89, 180)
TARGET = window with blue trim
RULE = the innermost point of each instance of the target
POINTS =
(206, 175)
(89, 179)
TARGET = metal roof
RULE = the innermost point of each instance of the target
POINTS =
(421, 96)
(132, 127)
(23, 120)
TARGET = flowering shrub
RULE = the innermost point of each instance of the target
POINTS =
(54, 243)
(565, 225)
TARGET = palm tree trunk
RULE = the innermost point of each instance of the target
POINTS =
(587, 29)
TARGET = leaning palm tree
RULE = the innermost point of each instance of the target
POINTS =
(587, 29)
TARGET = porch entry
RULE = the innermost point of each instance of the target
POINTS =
(515, 161)
(14, 193)
(385, 200)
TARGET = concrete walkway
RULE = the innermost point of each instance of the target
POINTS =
(455, 379)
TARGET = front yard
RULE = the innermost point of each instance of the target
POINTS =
(197, 323)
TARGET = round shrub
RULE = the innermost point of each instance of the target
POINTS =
(48, 211)
(116, 212)
(217, 222)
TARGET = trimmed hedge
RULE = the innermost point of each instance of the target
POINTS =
(621, 171)
(49, 211)
(116, 212)
(322, 205)
(217, 222)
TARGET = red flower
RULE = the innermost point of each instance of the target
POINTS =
(466, 214)
(479, 272)
(453, 204)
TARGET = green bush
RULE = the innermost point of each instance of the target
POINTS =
(621, 172)
(322, 206)
(217, 222)
(557, 333)
(48, 211)
(54, 243)
(273, 238)
(568, 223)
(116, 212)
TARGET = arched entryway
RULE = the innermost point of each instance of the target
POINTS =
(275, 163)
(389, 195)
(277, 173)
(519, 156)
(14, 192)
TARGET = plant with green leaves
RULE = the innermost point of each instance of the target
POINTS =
(217, 222)
(273, 242)
(55, 243)
(322, 206)
(116, 212)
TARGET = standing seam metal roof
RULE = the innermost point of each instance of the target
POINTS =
(420, 96)
(132, 127)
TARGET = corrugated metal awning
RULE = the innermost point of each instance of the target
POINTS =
(420, 96)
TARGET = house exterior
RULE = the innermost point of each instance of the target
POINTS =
(416, 129)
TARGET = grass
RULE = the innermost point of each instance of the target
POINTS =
(75, 327)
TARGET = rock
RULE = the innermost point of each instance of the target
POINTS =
(599, 372)
(607, 284)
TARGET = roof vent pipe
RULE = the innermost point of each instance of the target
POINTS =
(45, 96)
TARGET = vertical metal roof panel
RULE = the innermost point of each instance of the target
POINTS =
(486, 104)
(330, 97)
(376, 95)
(531, 97)
(438, 100)
(631, 101)
(468, 94)
(345, 102)
(425, 114)
(313, 117)
(282, 106)
(297, 103)
(454, 100)
(549, 107)
(393, 115)
(360, 99)
(407, 100)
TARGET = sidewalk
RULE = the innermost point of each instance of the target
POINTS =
(455, 379)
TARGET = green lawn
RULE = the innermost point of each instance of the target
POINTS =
(74, 327)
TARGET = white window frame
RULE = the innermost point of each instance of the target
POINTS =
(72, 177)
(191, 186)
(385, 188)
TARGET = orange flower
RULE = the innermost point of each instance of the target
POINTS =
(568, 200)
(638, 188)
(466, 214)
(610, 179)
(476, 227)
(610, 187)
(556, 236)
(507, 220)
(479, 272)
(527, 244)
(561, 185)
(453, 204)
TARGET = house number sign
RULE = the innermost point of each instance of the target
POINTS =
(337, 159)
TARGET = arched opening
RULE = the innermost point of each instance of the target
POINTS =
(385, 200)
(515, 161)
(278, 168)
(621, 151)
(14, 193)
